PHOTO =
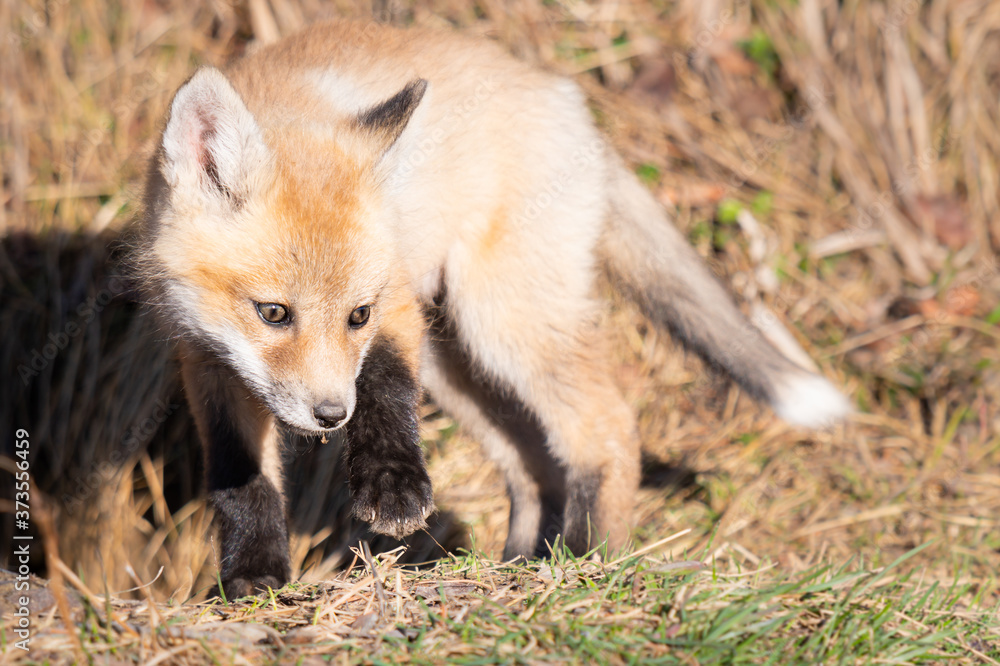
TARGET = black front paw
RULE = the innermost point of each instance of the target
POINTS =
(254, 538)
(236, 588)
(394, 498)
(390, 486)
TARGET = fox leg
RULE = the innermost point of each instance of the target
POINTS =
(543, 347)
(592, 433)
(243, 475)
(386, 471)
(509, 434)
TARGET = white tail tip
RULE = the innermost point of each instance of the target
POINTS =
(811, 401)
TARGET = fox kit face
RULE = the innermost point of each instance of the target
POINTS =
(276, 262)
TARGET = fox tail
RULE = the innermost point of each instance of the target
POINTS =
(648, 258)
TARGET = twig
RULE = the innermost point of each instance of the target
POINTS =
(650, 547)
(52, 562)
(154, 615)
(872, 514)
(879, 333)
(92, 598)
(369, 560)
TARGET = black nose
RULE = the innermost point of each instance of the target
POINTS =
(329, 414)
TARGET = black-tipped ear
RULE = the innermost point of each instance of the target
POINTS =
(387, 120)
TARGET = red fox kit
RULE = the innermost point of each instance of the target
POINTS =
(355, 213)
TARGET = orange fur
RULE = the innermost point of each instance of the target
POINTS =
(417, 172)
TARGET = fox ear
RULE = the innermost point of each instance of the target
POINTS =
(387, 120)
(212, 145)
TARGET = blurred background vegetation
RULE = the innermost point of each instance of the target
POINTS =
(835, 161)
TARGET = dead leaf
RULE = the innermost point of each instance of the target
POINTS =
(693, 194)
(305, 635)
(950, 222)
(242, 633)
(929, 307)
(962, 300)
(364, 623)
(656, 80)
(755, 103)
(452, 590)
(733, 61)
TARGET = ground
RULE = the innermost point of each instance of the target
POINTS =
(836, 163)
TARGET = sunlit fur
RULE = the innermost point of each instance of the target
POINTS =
(493, 205)
(311, 239)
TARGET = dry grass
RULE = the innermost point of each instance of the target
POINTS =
(836, 161)
(634, 609)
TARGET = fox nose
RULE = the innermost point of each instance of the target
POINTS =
(329, 414)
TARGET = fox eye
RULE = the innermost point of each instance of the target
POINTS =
(359, 317)
(273, 313)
